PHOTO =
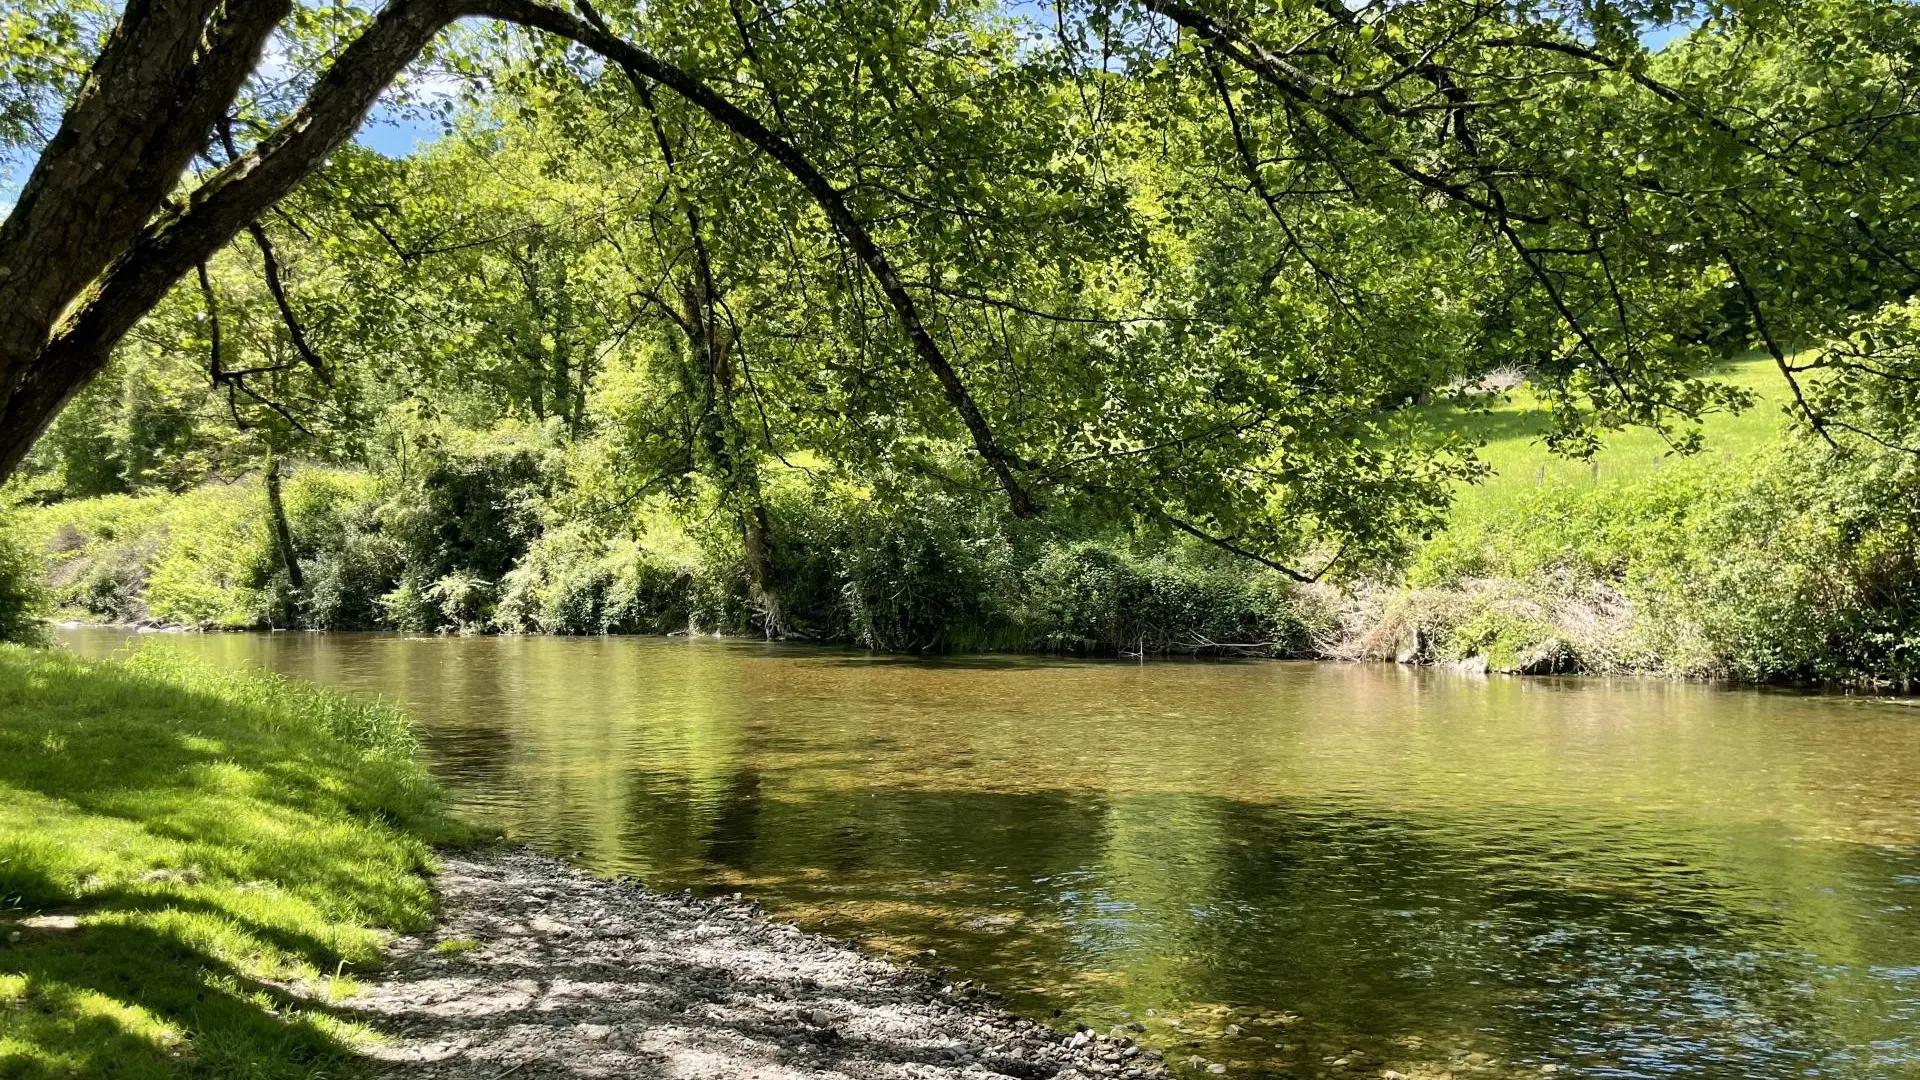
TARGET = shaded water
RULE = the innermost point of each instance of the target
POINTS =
(1362, 867)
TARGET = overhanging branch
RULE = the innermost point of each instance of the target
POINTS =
(641, 65)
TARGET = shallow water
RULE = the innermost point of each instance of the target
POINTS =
(1360, 867)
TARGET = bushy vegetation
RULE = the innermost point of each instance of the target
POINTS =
(1768, 557)
(193, 863)
(1789, 563)
(481, 541)
(22, 591)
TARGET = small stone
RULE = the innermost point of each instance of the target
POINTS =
(51, 922)
(1549, 1067)
(595, 1032)
(1217, 1069)
(13, 937)
(1233, 1029)
(820, 1017)
(1136, 1026)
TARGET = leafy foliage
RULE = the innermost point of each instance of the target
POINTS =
(22, 594)
(735, 317)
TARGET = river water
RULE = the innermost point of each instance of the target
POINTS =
(1295, 869)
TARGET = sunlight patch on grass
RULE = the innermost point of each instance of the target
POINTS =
(1520, 462)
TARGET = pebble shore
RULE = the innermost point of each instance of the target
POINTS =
(540, 970)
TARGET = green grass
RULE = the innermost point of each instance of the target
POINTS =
(226, 847)
(1521, 462)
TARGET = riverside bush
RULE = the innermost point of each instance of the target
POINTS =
(1095, 597)
(1790, 563)
(22, 591)
(1794, 563)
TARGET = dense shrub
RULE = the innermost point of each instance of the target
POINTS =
(22, 591)
(923, 573)
(1808, 571)
(350, 561)
(473, 513)
(1791, 564)
(1091, 596)
(577, 580)
(461, 528)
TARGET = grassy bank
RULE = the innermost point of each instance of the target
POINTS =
(1767, 557)
(1519, 462)
(193, 864)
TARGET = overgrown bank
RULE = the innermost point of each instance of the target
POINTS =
(194, 866)
(1786, 564)
(491, 540)
(1777, 559)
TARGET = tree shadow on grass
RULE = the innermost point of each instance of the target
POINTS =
(214, 845)
(126, 999)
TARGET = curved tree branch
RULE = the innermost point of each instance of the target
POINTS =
(641, 65)
(181, 238)
(270, 266)
(1233, 547)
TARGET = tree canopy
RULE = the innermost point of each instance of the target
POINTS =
(1195, 265)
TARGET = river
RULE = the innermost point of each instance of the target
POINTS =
(1295, 869)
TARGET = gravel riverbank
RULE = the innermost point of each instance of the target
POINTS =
(540, 970)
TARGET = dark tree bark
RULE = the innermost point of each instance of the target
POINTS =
(91, 247)
(282, 531)
(144, 110)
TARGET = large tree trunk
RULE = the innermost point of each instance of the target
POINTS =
(92, 245)
(756, 534)
(167, 72)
